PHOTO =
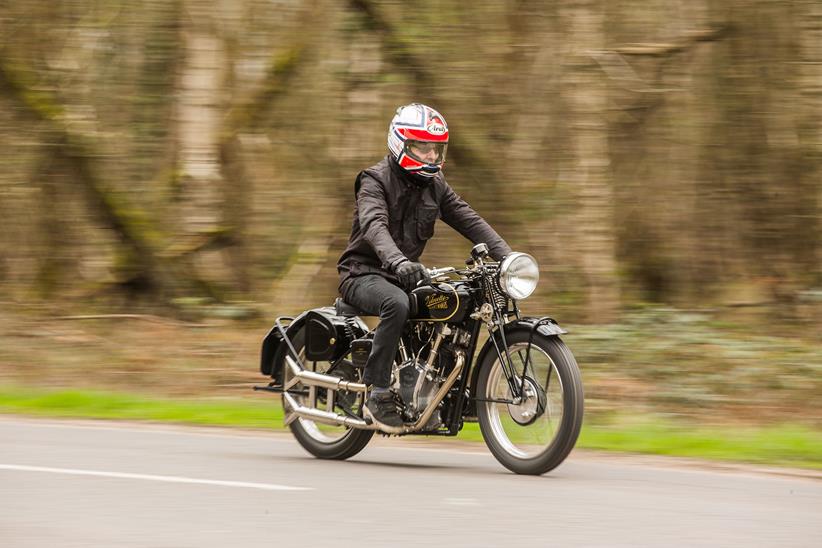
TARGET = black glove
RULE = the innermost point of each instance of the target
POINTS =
(411, 274)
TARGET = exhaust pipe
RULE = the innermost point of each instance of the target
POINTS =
(325, 417)
(311, 378)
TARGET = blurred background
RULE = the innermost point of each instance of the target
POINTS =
(191, 163)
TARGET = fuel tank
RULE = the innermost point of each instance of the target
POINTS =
(442, 302)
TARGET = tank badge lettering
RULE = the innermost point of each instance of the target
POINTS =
(436, 302)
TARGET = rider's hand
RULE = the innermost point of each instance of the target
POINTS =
(411, 274)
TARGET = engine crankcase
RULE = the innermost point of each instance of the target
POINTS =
(415, 387)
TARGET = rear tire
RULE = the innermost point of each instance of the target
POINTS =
(540, 445)
(350, 441)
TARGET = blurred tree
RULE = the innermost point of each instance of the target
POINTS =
(588, 172)
(809, 16)
(643, 151)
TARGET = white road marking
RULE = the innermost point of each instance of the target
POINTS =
(150, 477)
(461, 502)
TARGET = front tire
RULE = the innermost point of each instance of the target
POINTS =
(536, 435)
(323, 441)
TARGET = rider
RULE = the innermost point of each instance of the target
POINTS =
(398, 201)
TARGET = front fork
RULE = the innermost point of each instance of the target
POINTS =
(508, 364)
(515, 382)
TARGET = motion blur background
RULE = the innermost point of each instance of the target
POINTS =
(194, 160)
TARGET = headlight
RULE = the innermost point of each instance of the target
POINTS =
(518, 275)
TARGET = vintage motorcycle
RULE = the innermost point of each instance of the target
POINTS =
(523, 387)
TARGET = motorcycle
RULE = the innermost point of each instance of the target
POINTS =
(523, 387)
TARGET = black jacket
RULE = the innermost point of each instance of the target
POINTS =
(394, 218)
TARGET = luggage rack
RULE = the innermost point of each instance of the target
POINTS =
(279, 331)
(299, 372)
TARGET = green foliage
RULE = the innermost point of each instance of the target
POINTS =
(683, 363)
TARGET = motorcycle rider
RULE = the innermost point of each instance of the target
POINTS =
(397, 202)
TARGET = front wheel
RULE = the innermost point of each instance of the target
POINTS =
(534, 435)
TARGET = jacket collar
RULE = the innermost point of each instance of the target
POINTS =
(409, 179)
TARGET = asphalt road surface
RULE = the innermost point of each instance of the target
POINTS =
(115, 484)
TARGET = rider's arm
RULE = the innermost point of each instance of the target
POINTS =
(461, 217)
(372, 210)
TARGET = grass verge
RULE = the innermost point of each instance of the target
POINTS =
(108, 405)
(782, 445)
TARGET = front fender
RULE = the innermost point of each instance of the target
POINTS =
(548, 328)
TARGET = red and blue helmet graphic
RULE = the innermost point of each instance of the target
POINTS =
(418, 139)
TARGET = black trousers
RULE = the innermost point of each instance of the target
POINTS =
(377, 296)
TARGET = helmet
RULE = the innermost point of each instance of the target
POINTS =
(418, 139)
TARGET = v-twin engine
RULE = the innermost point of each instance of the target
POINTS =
(416, 387)
(417, 382)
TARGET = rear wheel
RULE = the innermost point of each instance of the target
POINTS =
(322, 440)
(534, 435)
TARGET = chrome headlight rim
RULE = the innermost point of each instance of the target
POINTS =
(506, 276)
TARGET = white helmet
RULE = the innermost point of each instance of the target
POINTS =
(418, 139)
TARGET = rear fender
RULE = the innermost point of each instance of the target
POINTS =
(548, 328)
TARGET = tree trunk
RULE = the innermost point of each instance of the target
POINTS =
(198, 117)
(810, 91)
(585, 93)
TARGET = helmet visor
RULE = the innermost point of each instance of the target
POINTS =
(426, 152)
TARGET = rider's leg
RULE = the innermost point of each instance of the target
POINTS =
(376, 295)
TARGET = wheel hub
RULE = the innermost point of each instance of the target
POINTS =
(532, 404)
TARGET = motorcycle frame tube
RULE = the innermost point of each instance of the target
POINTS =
(459, 403)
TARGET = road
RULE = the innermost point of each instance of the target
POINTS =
(97, 484)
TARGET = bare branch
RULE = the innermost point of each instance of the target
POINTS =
(688, 41)
(142, 317)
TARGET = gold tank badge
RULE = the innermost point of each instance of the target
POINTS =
(436, 302)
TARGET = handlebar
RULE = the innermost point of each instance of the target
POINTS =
(437, 272)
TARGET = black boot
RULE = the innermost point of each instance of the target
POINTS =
(383, 410)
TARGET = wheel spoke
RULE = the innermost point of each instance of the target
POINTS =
(329, 397)
(312, 396)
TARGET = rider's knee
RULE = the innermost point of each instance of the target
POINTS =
(396, 306)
